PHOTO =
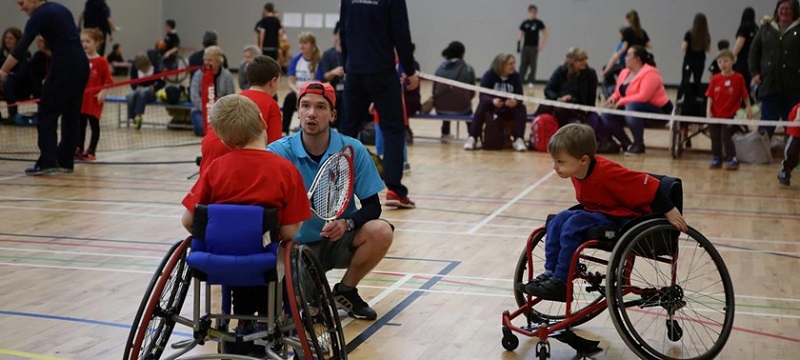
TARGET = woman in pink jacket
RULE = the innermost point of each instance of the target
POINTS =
(639, 88)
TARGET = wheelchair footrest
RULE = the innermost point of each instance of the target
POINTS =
(584, 346)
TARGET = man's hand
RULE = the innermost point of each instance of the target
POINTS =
(413, 82)
(497, 102)
(565, 98)
(511, 102)
(756, 80)
(334, 230)
(676, 219)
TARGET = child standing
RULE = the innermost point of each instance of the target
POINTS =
(791, 152)
(725, 93)
(610, 195)
(92, 106)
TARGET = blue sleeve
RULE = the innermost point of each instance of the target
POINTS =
(292, 71)
(402, 35)
(368, 181)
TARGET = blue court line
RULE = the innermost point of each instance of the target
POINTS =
(79, 320)
(385, 320)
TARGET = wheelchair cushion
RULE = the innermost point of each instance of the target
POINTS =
(228, 244)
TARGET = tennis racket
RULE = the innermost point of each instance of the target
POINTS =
(332, 188)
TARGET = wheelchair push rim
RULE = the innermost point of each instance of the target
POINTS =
(164, 297)
(550, 311)
(673, 297)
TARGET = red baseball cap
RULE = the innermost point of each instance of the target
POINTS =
(319, 88)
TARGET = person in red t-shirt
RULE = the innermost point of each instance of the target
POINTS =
(725, 94)
(263, 76)
(791, 153)
(248, 175)
(92, 106)
(610, 195)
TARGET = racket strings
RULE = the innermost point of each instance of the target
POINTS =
(332, 191)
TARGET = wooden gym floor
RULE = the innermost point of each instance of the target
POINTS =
(77, 251)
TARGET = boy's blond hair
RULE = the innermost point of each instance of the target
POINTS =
(575, 139)
(236, 120)
(726, 53)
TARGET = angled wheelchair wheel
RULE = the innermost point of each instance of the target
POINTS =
(164, 298)
(318, 310)
(584, 295)
(669, 293)
(178, 78)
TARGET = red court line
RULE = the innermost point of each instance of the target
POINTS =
(160, 251)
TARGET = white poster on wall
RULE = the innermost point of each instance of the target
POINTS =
(292, 20)
(331, 19)
(313, 20)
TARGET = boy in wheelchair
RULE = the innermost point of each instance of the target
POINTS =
(609, 194)
(248, 175)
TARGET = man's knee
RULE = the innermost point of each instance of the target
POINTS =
(378, 234)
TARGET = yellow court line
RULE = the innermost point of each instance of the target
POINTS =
(27, 355)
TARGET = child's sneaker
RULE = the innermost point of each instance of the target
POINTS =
(137, 122)
(351, 302)
(527, 288)
(733, 164)
(552, 289)
(716, 163)
(519, 145)
(783, 178)
(406, 168)
(403, 202)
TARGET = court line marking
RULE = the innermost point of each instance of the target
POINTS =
(28, 355)
(93, 202)
(83, 253)
(12, 177)
(88, 211)
(396, 285)
(508, 204)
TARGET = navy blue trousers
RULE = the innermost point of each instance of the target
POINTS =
(385, 91)
(565, 233)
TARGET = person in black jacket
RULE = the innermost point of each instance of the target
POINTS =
(370, 32)
(62, 91)
(572, 82)
(774, 64)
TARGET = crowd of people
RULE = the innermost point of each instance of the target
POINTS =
(381, 74)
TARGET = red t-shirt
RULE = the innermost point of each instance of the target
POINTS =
(269, 110)
(793, 131)
(614, 190)
(728, 92)
(99, 75)
(253, 177)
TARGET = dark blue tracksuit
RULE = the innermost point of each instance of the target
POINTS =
(62, 91)
(370, 32)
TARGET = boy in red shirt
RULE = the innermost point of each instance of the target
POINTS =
(791, 152)
(92, 106)
(725, 94)
(610, 194)
(263, 76)
(248, 175)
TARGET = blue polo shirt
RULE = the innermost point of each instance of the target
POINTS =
(368, 181)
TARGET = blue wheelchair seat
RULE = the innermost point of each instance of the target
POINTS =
(228, 246)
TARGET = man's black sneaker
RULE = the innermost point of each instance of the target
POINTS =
(351, 302)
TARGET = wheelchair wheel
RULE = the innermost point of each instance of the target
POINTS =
(549, 311)
(676, 140)
(317, 308)
(178, 78)
(669, 293)
(164, 298)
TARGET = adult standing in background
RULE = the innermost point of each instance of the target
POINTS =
(371, 31)
(696, 43)
(97, 14)
(330, 70)
(530, 30)
(268, 32)
(775, 65)
(62, 91)
(741, 48)
(632, 35)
